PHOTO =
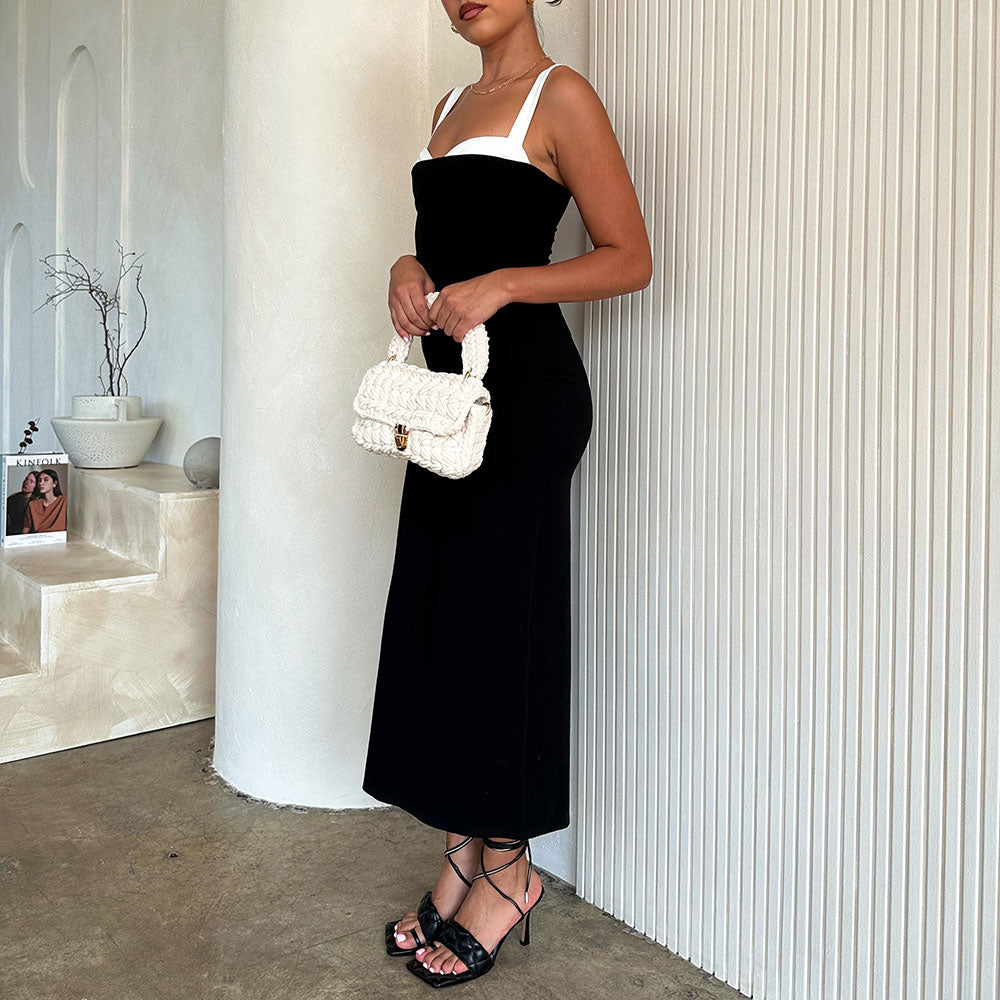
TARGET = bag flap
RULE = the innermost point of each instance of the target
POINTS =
(394, 392)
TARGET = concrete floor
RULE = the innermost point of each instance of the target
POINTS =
(130, 871)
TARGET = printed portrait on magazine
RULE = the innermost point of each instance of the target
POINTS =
(35, 498)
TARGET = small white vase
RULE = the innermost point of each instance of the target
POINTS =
(106, 432)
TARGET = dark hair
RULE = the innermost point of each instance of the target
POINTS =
(57, 492)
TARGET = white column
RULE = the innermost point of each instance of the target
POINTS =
(325, 110)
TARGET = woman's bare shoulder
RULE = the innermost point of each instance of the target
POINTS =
(569, 90)
(571, 108)
(439, 109)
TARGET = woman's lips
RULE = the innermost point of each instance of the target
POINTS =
(469, 10)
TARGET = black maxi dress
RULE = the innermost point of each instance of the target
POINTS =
(470, 728)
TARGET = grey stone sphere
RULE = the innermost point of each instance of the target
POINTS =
(201, 463)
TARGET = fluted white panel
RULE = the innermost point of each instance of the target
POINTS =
(790, 549)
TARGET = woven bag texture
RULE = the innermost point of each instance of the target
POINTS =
(437, 419)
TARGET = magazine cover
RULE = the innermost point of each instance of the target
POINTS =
(34, 498)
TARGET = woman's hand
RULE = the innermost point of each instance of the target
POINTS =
(466, 304)
(408, 285)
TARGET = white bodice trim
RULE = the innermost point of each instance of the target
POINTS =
(508, 147)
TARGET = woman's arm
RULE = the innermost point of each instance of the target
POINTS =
(585, 150)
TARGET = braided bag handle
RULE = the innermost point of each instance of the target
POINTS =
(475, 347)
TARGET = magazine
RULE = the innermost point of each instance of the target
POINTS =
(34, 498)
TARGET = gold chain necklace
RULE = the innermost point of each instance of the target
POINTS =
(512, 79)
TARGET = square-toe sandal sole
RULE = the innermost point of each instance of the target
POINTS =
(391, 948)
(439, 980)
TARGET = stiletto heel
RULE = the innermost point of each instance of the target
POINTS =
(428, 919)
(478, 961)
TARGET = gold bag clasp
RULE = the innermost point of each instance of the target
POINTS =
(402, 435)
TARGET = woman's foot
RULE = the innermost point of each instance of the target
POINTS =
(484, 913)
(449, 892)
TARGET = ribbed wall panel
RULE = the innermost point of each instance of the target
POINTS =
(790, 524)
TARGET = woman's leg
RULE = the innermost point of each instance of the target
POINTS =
(450, 890)
(484, 912)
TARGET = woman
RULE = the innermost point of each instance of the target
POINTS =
(48, 511)
(17, 503)
(470, 722)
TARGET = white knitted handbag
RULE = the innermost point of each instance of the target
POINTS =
(437, 419)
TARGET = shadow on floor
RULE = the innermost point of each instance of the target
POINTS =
(130, 871)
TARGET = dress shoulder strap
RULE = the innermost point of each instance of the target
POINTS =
(520, 127)
(449, 104)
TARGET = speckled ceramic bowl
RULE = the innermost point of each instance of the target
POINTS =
(106, 432)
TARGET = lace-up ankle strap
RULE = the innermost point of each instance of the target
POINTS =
(520, 846)
(458, 871)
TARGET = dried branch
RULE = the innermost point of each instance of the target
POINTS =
(26, 439)
(74, 277)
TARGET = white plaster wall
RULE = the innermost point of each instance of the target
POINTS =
(174, 211)
(110, 113)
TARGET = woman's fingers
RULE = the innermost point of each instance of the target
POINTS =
(449, 318)
(412, 316)
(445, 320)
(419, 306)
(402, 324)
(407, 306)
(419, 302)
(456, 326)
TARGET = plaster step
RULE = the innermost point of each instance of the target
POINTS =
(124, 510)
(38, 581)
(13, 666)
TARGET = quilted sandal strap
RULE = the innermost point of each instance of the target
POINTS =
(448, 854)
(428, 920)
(457, 938)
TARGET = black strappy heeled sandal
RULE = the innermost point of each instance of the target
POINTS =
(478, 961)
(428, 919)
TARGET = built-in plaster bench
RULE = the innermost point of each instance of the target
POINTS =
(112, 633)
